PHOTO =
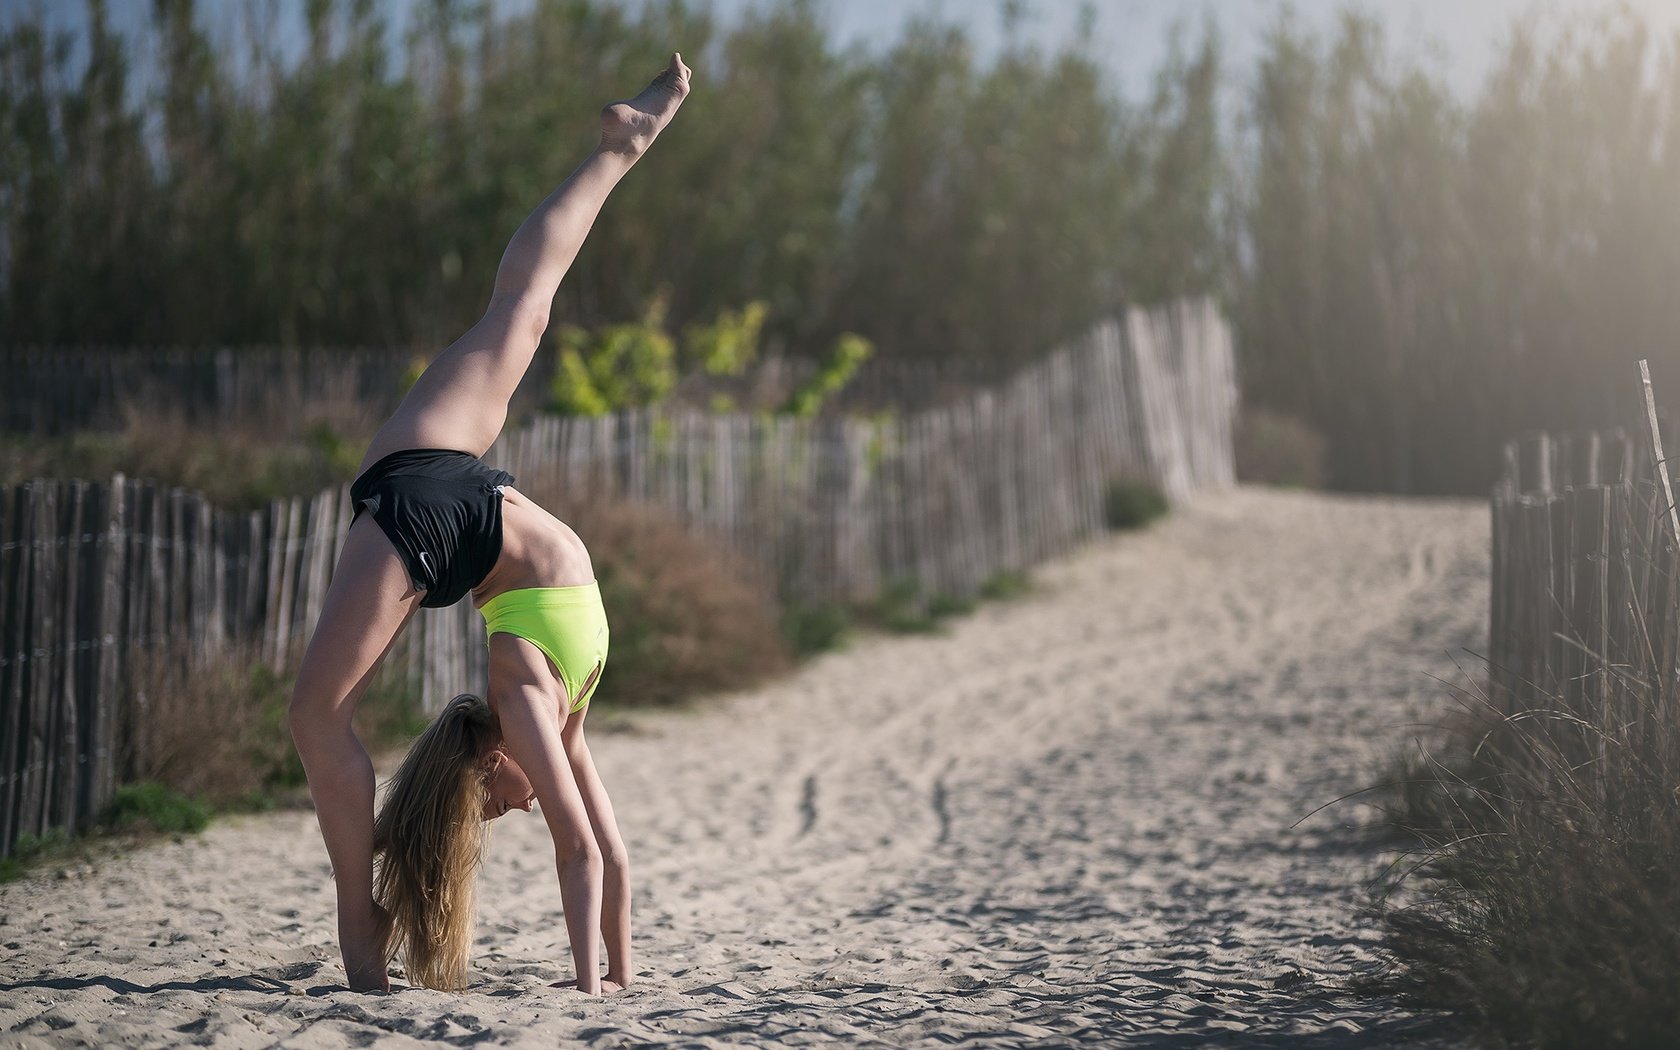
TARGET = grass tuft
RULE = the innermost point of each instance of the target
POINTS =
(901, 608)
(1537, 901)
(1130, 504)
(813, 629)
(1005, 586)
(29, 850)
(944, 606)
(150, 806)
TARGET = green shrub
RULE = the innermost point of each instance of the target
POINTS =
(1275, 449)
(848, 355)
(149, 805)
(812, 629)
(1130, 504)
(901, 608)
(942, 606)
(729, 344)
(1005, 585)
(618, 366)
(28, 849)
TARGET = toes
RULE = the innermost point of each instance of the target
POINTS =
(675, 74)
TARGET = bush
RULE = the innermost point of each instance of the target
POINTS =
(28, 849)
(812, 629)
(1275, 449)
(902, 609)
(687, 616)
(1130, 504)
(942, 606)
(1005, 586)
(149, 805)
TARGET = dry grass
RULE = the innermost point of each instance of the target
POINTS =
(688, 617)
(240, 464)
(1544, 885)
(216, 730)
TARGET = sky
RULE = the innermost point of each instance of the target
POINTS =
(1458, 38)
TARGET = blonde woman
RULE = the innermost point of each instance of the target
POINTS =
(434, 523)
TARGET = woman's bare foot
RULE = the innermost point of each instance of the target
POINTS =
(629, 127)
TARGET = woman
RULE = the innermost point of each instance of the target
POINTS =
(433, 523)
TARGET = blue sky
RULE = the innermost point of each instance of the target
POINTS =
(1456, 37)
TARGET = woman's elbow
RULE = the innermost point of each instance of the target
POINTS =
(577, 850)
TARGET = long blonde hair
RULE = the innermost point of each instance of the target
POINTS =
(428, 841)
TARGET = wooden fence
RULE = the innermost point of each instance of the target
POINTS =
(1585, 610)
(91, 575)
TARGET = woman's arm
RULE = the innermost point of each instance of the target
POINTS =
(615, 859)
(529, 710)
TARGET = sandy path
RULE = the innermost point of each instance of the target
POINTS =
(1068, 820)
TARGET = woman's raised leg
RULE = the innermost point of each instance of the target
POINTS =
(460, 401)
(369, 601)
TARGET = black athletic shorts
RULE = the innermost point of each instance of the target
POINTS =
(442, 510)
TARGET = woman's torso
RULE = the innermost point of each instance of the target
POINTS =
(538, 550)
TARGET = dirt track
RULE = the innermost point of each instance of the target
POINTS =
(1067, 820)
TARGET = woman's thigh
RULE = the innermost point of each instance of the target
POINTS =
(370, 599)
(460, 401)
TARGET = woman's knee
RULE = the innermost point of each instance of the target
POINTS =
(312, 714)
(613, 852)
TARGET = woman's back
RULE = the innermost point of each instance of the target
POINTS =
(538, 550)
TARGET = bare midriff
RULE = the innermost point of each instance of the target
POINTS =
(538, 550)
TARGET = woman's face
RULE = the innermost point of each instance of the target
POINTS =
(509, 787)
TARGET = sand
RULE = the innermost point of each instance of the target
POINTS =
(1071, 819)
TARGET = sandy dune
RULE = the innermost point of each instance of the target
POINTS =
(1066, 821)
